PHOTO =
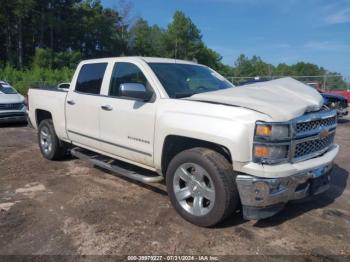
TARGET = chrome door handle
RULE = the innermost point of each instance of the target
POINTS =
(107, 107)
(70, 102)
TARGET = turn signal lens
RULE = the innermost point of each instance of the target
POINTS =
(272, 131)
(263, 130)
(261, 151)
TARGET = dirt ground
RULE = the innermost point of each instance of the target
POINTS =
(70, 207)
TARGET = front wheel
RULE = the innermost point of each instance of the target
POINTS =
(51, 146)
(201, 186)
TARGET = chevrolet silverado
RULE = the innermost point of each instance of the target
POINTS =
(218, 147)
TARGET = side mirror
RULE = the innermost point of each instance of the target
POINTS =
(135, 91)
(63, 86)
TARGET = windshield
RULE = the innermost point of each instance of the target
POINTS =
(183, 80)
(7, 89)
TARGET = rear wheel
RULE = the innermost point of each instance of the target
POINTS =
(201, 186)
(51, 146)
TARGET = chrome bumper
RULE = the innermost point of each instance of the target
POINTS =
(260, 195)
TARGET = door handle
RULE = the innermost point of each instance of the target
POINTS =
(107, 107)
(70, 102)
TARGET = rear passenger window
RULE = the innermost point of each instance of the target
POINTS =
(90, 78)
(123, 73)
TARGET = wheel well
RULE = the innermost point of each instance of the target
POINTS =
(176, 144)
(42, 115)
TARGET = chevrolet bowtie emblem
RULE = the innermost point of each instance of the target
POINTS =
(324, 133)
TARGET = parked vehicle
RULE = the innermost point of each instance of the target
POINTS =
(337, 102)
(332, 100)
(344, 93)
(216, 145)
(12, 105)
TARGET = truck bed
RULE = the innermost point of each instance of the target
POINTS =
(51, 100)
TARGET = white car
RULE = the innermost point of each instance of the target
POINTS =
(12, 105)
(215, 145)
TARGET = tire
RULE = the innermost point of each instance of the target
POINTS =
(51, 147)
(209, 183)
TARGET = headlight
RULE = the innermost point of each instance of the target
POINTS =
(272, 131)
(271, 142)
(270, 153)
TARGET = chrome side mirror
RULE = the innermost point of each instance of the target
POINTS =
(135, 91)
(64, 86)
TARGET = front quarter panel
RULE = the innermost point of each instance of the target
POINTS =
(231, 127)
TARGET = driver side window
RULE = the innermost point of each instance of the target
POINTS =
(123, 73)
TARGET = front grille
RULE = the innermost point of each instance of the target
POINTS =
(311, 135)
(311, 147)
(308, 140)
(16, 106)
(304, 127)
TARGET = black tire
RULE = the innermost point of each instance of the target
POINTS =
(222, 176)
(59, 149)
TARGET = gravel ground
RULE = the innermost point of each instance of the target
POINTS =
(70, 207)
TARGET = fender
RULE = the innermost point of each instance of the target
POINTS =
(230, 127)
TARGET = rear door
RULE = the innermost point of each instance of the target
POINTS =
(83, 105)
(127, 126)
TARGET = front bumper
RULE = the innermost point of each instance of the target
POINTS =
(264, 196)
(13, 117)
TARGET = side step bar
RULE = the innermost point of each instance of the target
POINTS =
(93, 159)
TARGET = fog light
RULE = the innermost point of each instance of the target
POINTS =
(275, 186)
(261, 190)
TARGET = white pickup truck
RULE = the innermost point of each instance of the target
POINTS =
(217, 146)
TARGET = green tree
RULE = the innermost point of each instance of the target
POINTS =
(209, 57)
(307, 69)
(182, 39)
(47, 58)
(146, 40)
(252, 67)
(284, 70)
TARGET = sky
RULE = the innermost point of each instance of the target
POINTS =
(279, 31)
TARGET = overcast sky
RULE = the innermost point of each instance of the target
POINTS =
(280, 31)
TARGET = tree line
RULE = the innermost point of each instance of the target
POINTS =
(44, 35)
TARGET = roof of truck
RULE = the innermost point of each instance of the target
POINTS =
(146, 59)
(166, 60)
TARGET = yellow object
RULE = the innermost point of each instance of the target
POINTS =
(263, 130)
(261, 151)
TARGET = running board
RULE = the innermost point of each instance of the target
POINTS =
(92, 157)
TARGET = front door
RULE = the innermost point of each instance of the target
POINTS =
(127, 126)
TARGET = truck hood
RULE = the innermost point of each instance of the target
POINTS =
(281, 99)
(11, 98)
